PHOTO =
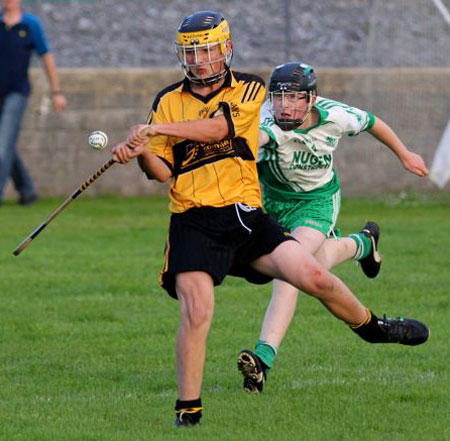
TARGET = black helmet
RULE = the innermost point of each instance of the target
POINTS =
(293, 77)
(202, 30)
(290, 78)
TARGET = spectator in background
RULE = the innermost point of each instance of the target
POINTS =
(20, 34)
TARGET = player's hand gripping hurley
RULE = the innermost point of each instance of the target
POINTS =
(74, 195)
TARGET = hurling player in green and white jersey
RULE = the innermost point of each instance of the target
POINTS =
(298, 136)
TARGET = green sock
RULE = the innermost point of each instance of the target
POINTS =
(266, 352)
(363, 243)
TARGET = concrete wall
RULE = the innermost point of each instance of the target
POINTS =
(54, 146)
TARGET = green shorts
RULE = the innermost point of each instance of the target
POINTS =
(320, 213)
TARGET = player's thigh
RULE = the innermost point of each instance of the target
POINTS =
(310, 238)
(292, 263)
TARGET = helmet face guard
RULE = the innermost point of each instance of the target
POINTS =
(292, 88)
(197, 59)
(290, 109)
(204, 47)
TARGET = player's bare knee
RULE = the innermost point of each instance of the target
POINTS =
(318, 282)
(197, 314)
(197, 305)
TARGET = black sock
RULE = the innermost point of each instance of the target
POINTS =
(188, 412)
(370, 331)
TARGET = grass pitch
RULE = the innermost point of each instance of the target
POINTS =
(87, 336)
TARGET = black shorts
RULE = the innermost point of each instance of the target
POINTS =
(220, 241)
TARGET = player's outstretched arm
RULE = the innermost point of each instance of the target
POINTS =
(412, 162)
(201, 130)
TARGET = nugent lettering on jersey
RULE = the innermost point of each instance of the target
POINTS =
(189, 155)
(308, 161)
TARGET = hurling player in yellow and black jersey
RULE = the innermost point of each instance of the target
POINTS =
(203, 135)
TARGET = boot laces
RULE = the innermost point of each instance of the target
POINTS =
(395, 328)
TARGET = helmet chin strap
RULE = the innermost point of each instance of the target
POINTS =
(207, 81)
(288, 124)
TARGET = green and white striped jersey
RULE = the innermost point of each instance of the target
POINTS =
(298, 164)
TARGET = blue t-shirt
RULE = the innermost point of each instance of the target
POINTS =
(17, 44)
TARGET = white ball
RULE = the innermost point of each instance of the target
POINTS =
(98, 140)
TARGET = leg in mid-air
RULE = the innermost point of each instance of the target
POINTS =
(361, 247)
(311, 223)
(312, 278)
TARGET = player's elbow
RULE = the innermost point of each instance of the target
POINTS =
(158, 174)
(218, 135)
(154, 167)
(163, 177)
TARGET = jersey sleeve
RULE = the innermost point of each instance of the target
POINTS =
(266, 150)
(37, 31)
(241, 115)
(354, 121)
(266, 114)
(267, 123)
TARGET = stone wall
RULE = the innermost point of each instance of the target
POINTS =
(324, 33)
(54, 146)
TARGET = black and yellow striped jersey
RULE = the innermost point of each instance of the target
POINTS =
(215, 173)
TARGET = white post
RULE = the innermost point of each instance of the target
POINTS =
(440, 169)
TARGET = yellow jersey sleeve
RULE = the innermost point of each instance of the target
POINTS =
(240, 115)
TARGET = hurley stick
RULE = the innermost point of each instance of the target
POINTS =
(73, 196)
